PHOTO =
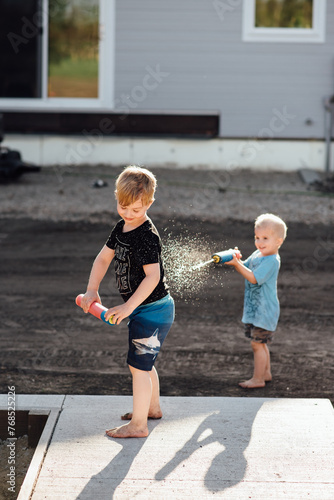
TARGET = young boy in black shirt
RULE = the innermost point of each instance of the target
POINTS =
(135, 246)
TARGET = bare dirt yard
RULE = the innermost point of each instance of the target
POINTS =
(52, 225)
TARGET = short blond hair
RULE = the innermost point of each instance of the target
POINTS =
(135, 183)
(277, 224)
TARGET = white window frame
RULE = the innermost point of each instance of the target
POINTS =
(316, 34)
(106, 83)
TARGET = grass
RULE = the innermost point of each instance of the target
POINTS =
(74, 78)
(75, 68)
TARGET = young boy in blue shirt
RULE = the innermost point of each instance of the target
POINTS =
(261, 305)
(134, 246)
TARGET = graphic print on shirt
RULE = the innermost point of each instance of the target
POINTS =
(122, 268)
(253, 292)
(252, 299)
(150, 345)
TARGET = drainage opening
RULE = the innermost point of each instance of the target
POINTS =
(17, 448)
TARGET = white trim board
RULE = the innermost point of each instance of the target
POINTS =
(225, 154)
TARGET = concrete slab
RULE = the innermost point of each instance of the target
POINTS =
(33, 401)
(229, 448)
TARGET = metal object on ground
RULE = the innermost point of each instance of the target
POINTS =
(11, 164)
(329, 107)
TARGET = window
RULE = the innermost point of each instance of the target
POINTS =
(73, 48)
(284, 20)
(56, 53)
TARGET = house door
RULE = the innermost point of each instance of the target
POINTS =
(20, 49)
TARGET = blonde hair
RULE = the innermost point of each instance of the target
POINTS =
(135, 183)
(277, 224)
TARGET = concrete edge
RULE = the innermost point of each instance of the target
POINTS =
(53, 405)
(36, 463)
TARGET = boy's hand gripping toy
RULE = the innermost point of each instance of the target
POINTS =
(96, 310)
(225, 256)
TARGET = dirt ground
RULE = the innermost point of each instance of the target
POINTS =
(54, 222)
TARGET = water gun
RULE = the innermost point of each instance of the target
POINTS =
(96, 309)
(225, 256)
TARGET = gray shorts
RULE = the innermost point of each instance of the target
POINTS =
(257, 334)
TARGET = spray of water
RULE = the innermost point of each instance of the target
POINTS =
(202, 264)
(186, 272)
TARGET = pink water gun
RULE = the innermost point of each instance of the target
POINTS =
(96, 309)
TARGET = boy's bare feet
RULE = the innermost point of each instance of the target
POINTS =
(252, 384)
(152, 415)
(127, 431)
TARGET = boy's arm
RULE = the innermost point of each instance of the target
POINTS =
(98, 271)
(146, 287)
(243, 270)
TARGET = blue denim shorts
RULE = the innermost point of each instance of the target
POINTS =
(148, 328)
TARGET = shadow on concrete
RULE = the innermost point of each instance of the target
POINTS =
(105, 483)
(228, 466)
(229, 429)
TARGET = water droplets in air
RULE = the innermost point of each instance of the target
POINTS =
(186, 263)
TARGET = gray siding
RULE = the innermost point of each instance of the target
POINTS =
(210, 68)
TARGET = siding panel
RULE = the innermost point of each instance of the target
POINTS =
(210, 68)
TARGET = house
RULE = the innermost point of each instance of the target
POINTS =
(219, 83)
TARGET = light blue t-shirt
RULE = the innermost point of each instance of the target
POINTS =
(261, 305)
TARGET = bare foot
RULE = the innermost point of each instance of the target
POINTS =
(252, 384)
(152, 415)
(268, 377)
(127, 431)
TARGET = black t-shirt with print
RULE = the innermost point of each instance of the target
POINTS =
(133, 250)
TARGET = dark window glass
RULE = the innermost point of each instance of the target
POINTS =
(20, 48)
